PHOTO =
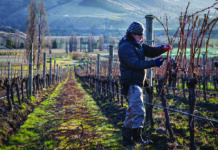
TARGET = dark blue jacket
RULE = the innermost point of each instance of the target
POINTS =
(132, 60)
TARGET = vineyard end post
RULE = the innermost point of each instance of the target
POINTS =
(54, 70)
(149, 39)
(1, 70)
(98, 70)
(212, 72)
(50, 72)
(57, 73)
(8, 87)
(30, 72)
(44, 69)
(110, 69)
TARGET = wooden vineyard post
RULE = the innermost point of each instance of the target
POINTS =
(9, 86)
(212, 66)
(98, 71)
(204, 77)
(149, 29)
(174, 76)
(63, 71)
(164, 103)
(81, 40)
(30, 72)
(183, 83)
(50, 50)
(110, 69)
(122, 100)
(66, 48)
(60, 73)
(87, 70)
(50, 72)
(117, 91)
(21, 78)
(215, 76)
(12, 92)
(21, 71)
(149, 108)
(57, 72)
(113, 92)
(1, 70)
(90, 73)
(216, 71)
(44, 69)
(11, 71)
(34, 86)
(18, 91)
(54, 72)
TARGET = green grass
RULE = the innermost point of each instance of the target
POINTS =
(108, 138)
(29, 132)
(33, 134)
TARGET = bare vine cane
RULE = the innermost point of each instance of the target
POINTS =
(196, 31)
(169, 53)
(163, 81)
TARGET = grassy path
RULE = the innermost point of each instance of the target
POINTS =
(68, 119)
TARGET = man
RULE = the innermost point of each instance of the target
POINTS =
(132, 64)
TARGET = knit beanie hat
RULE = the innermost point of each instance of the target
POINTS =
(136, 28)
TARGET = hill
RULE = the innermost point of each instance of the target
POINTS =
(95, 16)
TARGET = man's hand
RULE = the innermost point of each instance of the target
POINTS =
(167, 47)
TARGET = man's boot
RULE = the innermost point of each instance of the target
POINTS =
(137, 137)
(127, 134)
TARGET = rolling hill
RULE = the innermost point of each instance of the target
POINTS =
(95, 16)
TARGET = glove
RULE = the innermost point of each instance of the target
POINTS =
(166, 47)
(159, 62)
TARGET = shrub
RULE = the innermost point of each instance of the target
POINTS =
(77, 55)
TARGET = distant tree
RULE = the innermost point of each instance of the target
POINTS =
(74, 43)
(10, 43)
(90, 43)
(106, 38)
(95, 44)
(101, 43)
(112, 41)
(61, 44)
(21, 45)
(42, 28)
(31, 37)
(81, 43)
(16, 42)
(54, 44)
(71, 44)
(66, 47)
(48, 44)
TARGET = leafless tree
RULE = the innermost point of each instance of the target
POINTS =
(31, 37)
(42, 30)
(101, 43)
(90, 43)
